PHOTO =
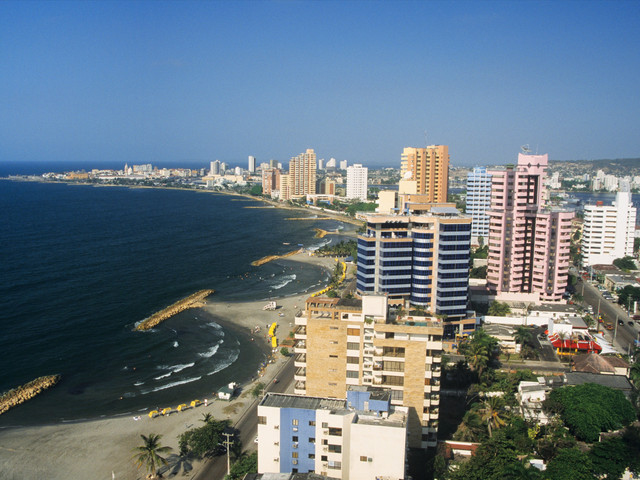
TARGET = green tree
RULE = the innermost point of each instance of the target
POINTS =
(206, 417)
(590, 409)
(478, 272)
(609, 458)
(625, 263)
(245, 464)
(257, 390)
(523, 335)
(492, 413)
(491, 461)
(628, 295)
(284, 351)
(477, 357)
(256, 190)
(471, 429)
(570, 464)
(149, 454)
(499, 309)
(205, 440)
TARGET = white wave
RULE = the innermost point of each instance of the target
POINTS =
(137, 384)
(173, 369)
(215, 325)
(174, 384)
(316, 247)
(232, 358)
(163, 376)
(175, 344)
(212, 351)
(286, 280)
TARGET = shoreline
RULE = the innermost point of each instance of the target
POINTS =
(92, 448)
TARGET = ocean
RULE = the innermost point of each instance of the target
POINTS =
(81, 265)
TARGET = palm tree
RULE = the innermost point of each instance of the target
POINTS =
(522, 335)
(206, 418)
(477, 357)
(149, 454)
(491, 412)
(470, 428)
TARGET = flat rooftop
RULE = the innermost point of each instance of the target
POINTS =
(281, 400)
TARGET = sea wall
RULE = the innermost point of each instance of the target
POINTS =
(192, 301)
(26, 392)
(270, 258)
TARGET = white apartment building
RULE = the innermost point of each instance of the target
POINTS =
(343, 165)
(357, 177)
(608, 231)
(479, 202)
(252, 164)
(332, 437)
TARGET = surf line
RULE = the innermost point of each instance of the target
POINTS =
(194, 300)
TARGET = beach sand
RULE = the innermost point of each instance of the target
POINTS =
(95, 449)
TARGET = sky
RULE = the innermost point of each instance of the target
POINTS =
(181, 81)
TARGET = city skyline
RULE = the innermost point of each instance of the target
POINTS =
(150, 82)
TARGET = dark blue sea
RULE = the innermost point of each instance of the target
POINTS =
(81, 265)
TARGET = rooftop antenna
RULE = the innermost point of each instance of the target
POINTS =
(525, 149)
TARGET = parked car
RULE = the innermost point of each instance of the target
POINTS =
(620, 322)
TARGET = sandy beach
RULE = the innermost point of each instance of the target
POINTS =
(94, 449)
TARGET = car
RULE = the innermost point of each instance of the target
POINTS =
(630, 322)
(620, 322)
(608, 326)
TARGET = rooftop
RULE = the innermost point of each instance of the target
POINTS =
(281, 400)
(617, 382)
(555, 307)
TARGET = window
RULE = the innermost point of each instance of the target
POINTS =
(363, 458)
(353, 346)
(294, 422)
(333, 328)
(333, 342)
(294, 438)
(335, 448)
(294, 470)
(352, 374)
(393, 366)
(391, 380)
(312, 456)
(323, 458)
(335, 465)
(325, 425)
(333, 356)
(312, 423)
(294, 454)
(353, 331)
(353, 360)
(397, 395)
(262, 420)
(312, 439)
(335, 431)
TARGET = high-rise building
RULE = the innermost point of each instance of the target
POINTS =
(479, 202)
(302, 174)
(321, 164)
(273, 163)
(423, 259)
(215, 168)
(332, 437)
(223, 168)
(357, 177)
(343, 165)
(331, 163)
(270, 181)
(608, 230)
(344, 343)
(252, 164)
(326, 186)
(429, 167)
(528, 243)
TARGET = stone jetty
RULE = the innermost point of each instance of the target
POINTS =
(194, 300)
(270, 258)
(21, 394)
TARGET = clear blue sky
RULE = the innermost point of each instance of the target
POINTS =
(182, 81)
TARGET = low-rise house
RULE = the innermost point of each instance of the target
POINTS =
(617, 382)
(505, 335)
(530, 397)
(600, 364)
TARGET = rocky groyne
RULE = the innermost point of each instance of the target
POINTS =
(270, 258)
(192, 301)
(21, 394)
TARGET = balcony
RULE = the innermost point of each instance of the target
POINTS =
(300, 346)
(300, 333)
(300, 360)
(300, 374)
(300, 388)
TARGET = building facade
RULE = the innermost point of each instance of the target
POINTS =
(429, 167)
(270, 181)
(479, 202)
(252, 164)
(302, 174)
(345, 343)
(528, 244)
(423, 259)
(330, 437)
(357, 177)
(608, 231)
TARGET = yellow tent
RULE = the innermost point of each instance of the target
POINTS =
(153, 413)
(274, 342)
(166, 411)
(195, 403)
(182, 406)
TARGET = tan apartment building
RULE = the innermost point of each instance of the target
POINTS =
(342, 343)
(302, 174)
(429, 167)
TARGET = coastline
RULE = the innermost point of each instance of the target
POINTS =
(94, 448)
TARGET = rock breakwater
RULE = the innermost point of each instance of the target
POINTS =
(194, 300)
(270, 258)
(21, 394)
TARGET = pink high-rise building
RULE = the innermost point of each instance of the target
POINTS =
(528, 243)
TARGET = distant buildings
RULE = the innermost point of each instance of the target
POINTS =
(341, 344)
(430, 168)
(608, 231)
(252, 164)
(270, 181)
(302, 174)
(214, 168)
(333, 437)
(528, 244)
(479, 202)
(357, 176)
(343, 165)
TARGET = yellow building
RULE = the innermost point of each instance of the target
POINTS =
(342, 342)
(302, 174)
(429, 167)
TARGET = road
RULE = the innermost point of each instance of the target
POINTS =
(624, 334)
(216, 468)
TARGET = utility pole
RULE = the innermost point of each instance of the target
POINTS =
(228, 443)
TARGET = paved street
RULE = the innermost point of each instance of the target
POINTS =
(216, 468)
(624, 334)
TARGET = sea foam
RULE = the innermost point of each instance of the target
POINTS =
(173, 384)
